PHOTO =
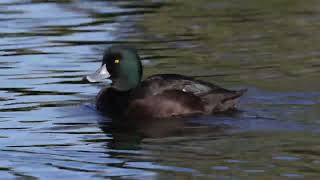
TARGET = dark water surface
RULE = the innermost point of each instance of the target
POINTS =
(49, 128)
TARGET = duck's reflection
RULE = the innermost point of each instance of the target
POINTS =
(128, 134)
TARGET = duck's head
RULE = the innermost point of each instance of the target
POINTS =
(121, 66)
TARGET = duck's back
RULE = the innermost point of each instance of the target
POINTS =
(157, 84)
(186, 95)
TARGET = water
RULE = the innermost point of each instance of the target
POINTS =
(49, 128)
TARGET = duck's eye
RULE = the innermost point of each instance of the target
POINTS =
(117, 61)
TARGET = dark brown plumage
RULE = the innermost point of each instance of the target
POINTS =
(167, 95)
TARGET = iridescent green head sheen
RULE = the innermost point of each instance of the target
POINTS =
(122, 66)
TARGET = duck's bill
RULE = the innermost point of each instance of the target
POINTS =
(101, 74)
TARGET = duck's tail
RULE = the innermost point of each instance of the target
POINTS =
(221, 100)
(234, 95)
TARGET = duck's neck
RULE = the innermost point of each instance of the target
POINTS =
(127, 82)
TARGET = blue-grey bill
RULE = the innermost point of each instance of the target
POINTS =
(101, 74)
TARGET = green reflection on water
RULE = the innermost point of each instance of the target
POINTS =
(267, 44)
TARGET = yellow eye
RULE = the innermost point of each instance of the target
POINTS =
(117, 61)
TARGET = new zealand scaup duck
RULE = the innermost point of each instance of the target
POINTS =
(158, 96)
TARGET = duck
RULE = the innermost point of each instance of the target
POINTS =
(157, 96)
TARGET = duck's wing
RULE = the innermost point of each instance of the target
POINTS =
(213, 98)
(157, 84)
